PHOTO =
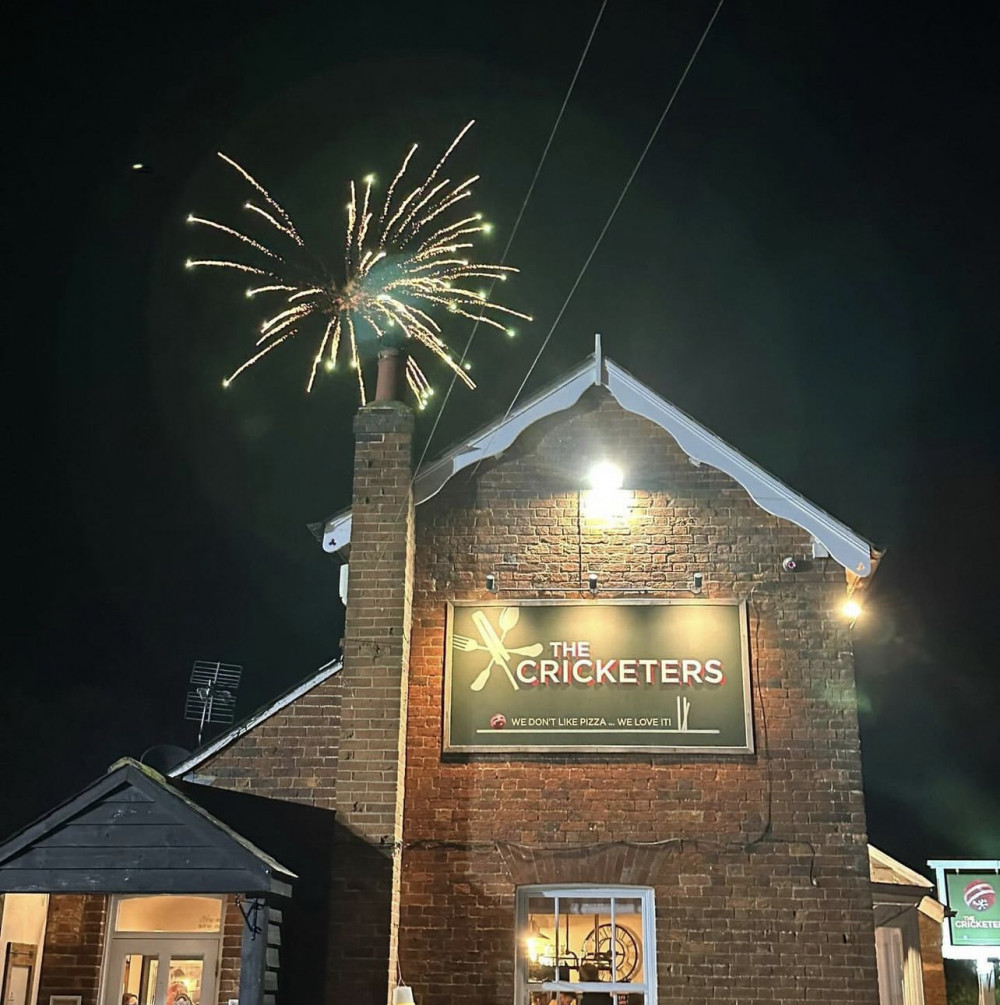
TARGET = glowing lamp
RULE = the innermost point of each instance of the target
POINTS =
(605, 477)
(402, 995)
(851, 609)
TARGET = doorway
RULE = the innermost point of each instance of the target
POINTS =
(163, 950)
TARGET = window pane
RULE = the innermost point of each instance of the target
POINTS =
(169, 914)
(139, 979)
(184, 987)
(587, 940)
(540, 948)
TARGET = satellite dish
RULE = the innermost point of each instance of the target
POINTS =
(164, 757)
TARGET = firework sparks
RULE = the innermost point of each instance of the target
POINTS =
(393, 274)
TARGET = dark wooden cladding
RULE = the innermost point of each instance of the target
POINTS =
(129, 857)
(132, 881)
(139, 835)
(131, 832)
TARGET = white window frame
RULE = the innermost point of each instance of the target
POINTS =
(210, 991)
(642, 893)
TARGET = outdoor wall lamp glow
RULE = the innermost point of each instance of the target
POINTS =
(605, 500)
(605, 477)
(851, 609)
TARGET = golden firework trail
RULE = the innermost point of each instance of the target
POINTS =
(393, 275)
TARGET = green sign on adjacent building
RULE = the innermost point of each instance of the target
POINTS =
(616, 676)
(975, 899)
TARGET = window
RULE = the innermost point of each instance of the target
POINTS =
(169, 914)
(586, 945)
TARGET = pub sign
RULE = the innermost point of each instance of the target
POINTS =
(975, 899)
(619, 676)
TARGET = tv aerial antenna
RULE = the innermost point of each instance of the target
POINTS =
(212, 698)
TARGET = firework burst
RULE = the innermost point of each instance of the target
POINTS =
(401, 265)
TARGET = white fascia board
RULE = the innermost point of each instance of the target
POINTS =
(337, 532)
(853, 552)
(495, 439)
(220, 742)
(704, 447)
(489, 442)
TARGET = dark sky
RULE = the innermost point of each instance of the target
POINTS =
(807, 263)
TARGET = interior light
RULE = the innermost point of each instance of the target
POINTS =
(605, 476)
(851, 609)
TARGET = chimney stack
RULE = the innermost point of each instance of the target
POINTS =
(374, 682)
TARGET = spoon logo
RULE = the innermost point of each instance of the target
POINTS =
(979, 895)
(493, 641)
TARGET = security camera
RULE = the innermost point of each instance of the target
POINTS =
(789, 564)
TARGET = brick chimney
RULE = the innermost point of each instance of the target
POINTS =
(374, 682)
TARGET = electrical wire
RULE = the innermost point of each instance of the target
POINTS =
(517, 224)
(611, 216)
(503, 257)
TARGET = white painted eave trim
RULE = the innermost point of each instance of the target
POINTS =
(853, 552)
(221, 742)
(704, 447)
(489, 442)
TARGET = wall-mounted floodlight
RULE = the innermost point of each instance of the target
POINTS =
(605, 499)
(605, 477)
(491, 582)
(592, 582)
(851, 609)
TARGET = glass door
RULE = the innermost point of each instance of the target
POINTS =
(161, 972)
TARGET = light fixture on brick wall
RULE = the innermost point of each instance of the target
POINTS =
(605, 499)
(697, 580)
(592, 582)
(491, 582)
(851, 609)
(605, 477)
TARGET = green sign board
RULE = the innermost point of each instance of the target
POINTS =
(975, 899)
(615, 676)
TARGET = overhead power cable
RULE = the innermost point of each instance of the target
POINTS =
(517, 222)
(611, 216)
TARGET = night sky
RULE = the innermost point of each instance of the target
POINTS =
(807, 263)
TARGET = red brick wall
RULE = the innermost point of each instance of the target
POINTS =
(370, 769)
(291, 756)
(935, 988)
(74, 946)
(229, 960)
(737, 915)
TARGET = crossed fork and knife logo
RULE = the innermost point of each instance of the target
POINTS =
(490, 642)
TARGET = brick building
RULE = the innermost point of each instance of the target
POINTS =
(593, 741)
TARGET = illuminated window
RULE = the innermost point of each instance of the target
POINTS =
(169, 914)
(585, 946)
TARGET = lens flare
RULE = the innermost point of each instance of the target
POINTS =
(396, 269)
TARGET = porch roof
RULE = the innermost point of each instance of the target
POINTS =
(132, 832)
